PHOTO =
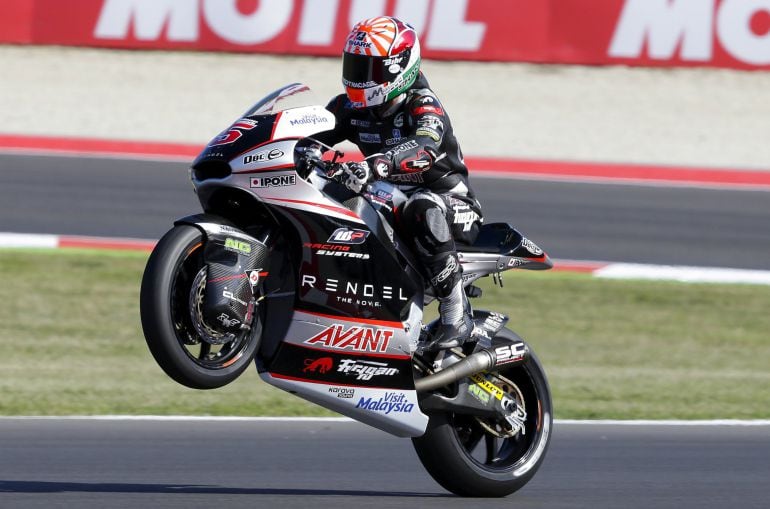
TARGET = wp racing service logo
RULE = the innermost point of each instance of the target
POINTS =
(348, 236)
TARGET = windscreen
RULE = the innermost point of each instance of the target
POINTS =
(295, 95)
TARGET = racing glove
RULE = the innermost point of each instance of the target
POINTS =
(356, 175)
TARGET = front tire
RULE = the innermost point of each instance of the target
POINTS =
(173, 340)
(466, 459)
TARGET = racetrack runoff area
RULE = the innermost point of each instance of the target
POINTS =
(703, 118)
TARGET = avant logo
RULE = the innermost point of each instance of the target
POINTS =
(357, 339)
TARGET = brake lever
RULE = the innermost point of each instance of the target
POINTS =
(335, 170)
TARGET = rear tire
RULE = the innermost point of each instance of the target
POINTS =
(167, 322)
(449, 449)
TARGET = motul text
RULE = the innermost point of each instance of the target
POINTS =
(720, 33)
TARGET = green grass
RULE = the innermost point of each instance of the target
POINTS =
(72, 344)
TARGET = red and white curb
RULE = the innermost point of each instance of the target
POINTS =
(28, 240)
(496, 167)
(607, 270)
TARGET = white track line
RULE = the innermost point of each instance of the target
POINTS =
(605, 270)
(194, 418)
(24, 240)
(683, 274)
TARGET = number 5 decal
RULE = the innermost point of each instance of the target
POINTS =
(234, 132)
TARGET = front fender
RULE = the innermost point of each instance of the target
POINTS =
(213, 226)
(236, 266)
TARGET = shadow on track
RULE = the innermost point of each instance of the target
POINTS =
(79, 487)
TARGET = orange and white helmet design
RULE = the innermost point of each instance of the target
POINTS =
(381, 60)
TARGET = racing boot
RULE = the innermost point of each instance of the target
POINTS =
(455, 322)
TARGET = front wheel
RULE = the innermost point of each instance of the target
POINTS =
(481, 457)
(190, 351)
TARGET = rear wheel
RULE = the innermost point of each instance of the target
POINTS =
(483, 457)
(190, 351)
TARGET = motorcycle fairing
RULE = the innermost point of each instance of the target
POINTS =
(394, 411)
(344, 347)
(487, 324)
(342, 368)
(499, 247)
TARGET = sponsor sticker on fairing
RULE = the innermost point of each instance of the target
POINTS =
(237, 246)
(365, 370)
(234, 133)
(309, 119)
(391, 402)
(273, 181)
(356, 339)
(322, 365)
(261, 157)
(510, 353)
(343, 392)
(531, 247)
(351, 236)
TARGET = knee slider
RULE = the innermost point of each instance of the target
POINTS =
(425, 215)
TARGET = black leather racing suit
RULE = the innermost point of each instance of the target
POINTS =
(421, 155)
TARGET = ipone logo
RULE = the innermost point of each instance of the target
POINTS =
(348, 236)
(274, 181)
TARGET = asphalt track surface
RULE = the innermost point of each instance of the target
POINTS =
(97, 464)
(577, 221)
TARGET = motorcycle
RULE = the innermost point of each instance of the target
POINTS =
(288, 268)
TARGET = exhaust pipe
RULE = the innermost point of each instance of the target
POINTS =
(483, 360)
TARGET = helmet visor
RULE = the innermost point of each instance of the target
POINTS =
(364, 71)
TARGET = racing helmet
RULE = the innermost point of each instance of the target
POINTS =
(381, 60)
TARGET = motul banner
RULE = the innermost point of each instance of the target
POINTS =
(721, 33)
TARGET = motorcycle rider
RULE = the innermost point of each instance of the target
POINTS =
(389, 111)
